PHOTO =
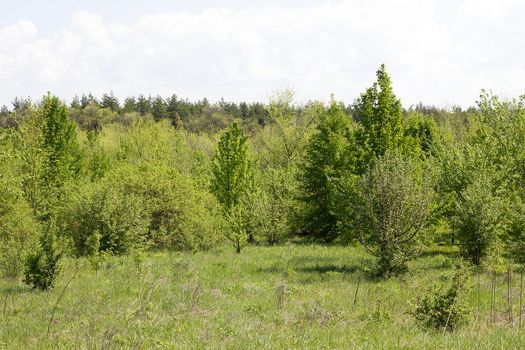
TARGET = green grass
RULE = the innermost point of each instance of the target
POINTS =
(292, 296)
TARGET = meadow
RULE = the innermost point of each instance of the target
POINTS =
(281, 297)
(165, 223)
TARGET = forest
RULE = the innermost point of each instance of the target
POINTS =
(156, 221)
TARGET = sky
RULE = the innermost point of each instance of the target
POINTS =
(438, 52)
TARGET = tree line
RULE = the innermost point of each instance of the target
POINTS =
(98, 178)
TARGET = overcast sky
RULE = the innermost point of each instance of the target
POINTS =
(437, 52)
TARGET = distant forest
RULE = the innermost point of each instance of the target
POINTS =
(92, 113)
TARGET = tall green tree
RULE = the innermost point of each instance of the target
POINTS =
(232, 172)
(231, 167)
(382, 120)
(329, 154)
(59, 142)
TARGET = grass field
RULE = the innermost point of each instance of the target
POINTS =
(292, 296)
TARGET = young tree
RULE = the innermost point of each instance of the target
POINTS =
(280, 147)
(232, 173)
(479, 220)
(392, 206)
(382, 119)
(59, 142)
(329, 154)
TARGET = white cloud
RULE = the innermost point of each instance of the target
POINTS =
(244, 54)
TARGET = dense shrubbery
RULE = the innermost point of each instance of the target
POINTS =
(18, 228)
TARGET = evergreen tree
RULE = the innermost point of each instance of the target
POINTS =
(130, 105)
(75, 103)
(329, 154)
(110, 101)
(158, 108)
(143, 105)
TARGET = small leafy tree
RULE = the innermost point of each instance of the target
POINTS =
(392, 206)
(232, 174)
(479, 220)
(272, 206)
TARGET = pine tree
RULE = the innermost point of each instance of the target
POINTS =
(158, 108)
(143, 105)
(110, 101)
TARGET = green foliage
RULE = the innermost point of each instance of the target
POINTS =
(97, 161)
(480, 218)
(329, 154)
(281, 143)
(106, 210)
(232, 182)
(42, 266)
(514, 238)
(275, 205)
(93, 117)
(18, 228)
(237, 221)
(444, 307)
(62, 156)
(231, 168)
(392, 206)
(179, 213)
(382, 119)
(424, 131)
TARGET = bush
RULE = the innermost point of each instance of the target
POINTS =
(392, 206)
(106, 210)
(42, 266)
(18, 228)
(180, 215)
(18, 234)
(479, 220)
(445, 308)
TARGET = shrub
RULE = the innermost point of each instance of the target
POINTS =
(273, 206)
(179, 214)
(445, 308)
(42, 266)
(18, 234)
(103, 209)
(18, 228)
(392, 206)
(479, 220)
